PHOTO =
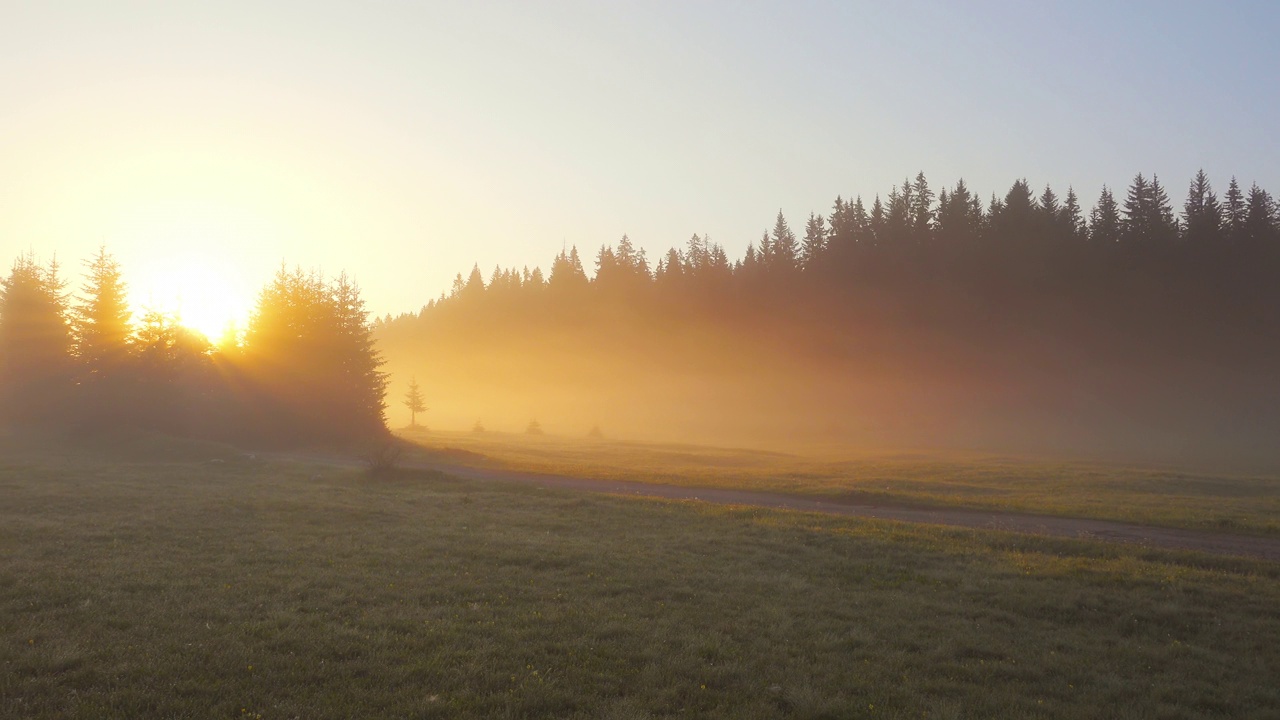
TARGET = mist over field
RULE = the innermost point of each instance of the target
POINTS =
(1015, 328)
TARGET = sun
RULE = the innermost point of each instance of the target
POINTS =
(205, 294)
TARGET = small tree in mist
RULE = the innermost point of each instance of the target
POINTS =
(414, 401)
(534, 428)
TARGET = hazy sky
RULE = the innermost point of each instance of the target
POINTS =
(207, 142)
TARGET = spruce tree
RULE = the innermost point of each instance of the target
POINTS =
(1014, 222)
(921, 210)
(815, 242)
(362, 386)
(1202, 214)
(1136, 224)
(878, 223)
(1162, 223)
(414, 401)
(35, 343)
(101, 320)
(1234, 212)
(1105, 225)
(785, 249)
(1260, 218)
(1073, 216)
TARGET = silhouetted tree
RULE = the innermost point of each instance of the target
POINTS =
(101, 320)
(1105, 225)
(414, 401)
(1073, 216)
(785, 250)
(920, 198)
(1260, 219)
(1202, 214)
(309, 349)
(103, 333)
(1234, 212)
(815, 242)
(35, 343)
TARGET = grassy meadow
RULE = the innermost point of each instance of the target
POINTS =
(193, 581)
(1173, 497)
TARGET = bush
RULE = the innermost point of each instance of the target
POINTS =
(383, 457)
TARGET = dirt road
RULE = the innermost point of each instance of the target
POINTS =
(1265, 548)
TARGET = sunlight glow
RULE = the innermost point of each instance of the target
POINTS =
(205, 293)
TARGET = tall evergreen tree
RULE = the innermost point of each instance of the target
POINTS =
(815, 242)
(1234, 212)
(785, 249)
(35, 343)
(1202, 214)
(959, 217)
(101, 320)
(567, 273)
(1138, 212)
(1260, 218)
(1014, 222)
(1163, 223)
(1105, 224)
(840, 227)
(878, 223)
(921, 210)
(897, 220)
(1073, 216)
(310, 353)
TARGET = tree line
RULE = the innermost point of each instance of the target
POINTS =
(1130, 308)
(918, 229)
(306, 368)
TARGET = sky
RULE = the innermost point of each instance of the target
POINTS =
(205, 144)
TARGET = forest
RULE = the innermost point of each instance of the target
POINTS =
(922, 319)
(304, 371)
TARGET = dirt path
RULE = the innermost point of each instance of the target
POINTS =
(1264, 548)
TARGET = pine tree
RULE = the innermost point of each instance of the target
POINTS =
(1073, 216)
(35, 343)
(101, 321)
(1260, 218)
(840, 230)
(1052, 221)
(1234, 212)
(309, 350)
(567, 272)
(815, 242)
(1162, 224)
(1202, 213)
(608, 269)
(475, 283)
(363, 385)
(1105, 225)
(1139, 205)
(878, 223)
(697, 256)
(959, 217)
(921, 200)
(1014, 221)
(414, 401)
(785, 250)
(897, 221)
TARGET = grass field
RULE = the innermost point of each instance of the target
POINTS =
(1240, 503)
(184, 587)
